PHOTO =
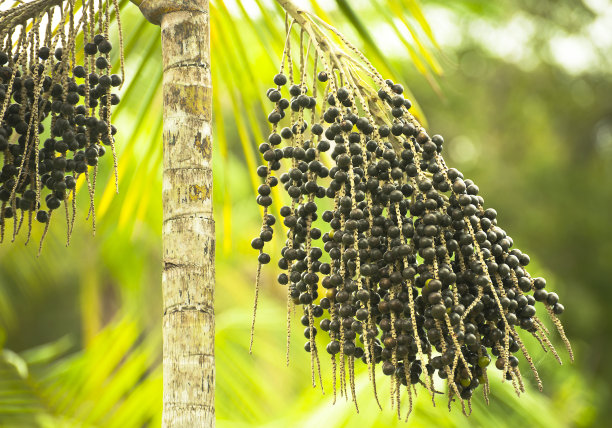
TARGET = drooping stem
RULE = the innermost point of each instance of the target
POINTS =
(24, 12)
(301, 19)
(346, 63)
(293, 11)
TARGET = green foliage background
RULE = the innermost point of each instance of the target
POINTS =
(80, 327)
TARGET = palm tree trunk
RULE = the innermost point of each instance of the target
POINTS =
(188, 280)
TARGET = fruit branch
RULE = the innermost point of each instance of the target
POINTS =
(24, 12)
(321, 42)
(347, 65)
(45, 88)
(418, 267)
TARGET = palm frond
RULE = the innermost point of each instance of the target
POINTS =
(90, 388)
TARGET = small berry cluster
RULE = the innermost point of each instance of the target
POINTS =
(45, 93)
(413, 272)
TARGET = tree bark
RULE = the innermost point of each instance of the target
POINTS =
(188, 226)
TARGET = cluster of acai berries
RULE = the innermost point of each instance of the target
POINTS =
(55, 124)
(406, 267)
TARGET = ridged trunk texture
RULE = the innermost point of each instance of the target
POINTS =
(188, 229)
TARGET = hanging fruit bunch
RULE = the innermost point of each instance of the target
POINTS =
(55, 107)
(392, 255)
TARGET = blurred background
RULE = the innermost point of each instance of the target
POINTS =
(522, 93)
